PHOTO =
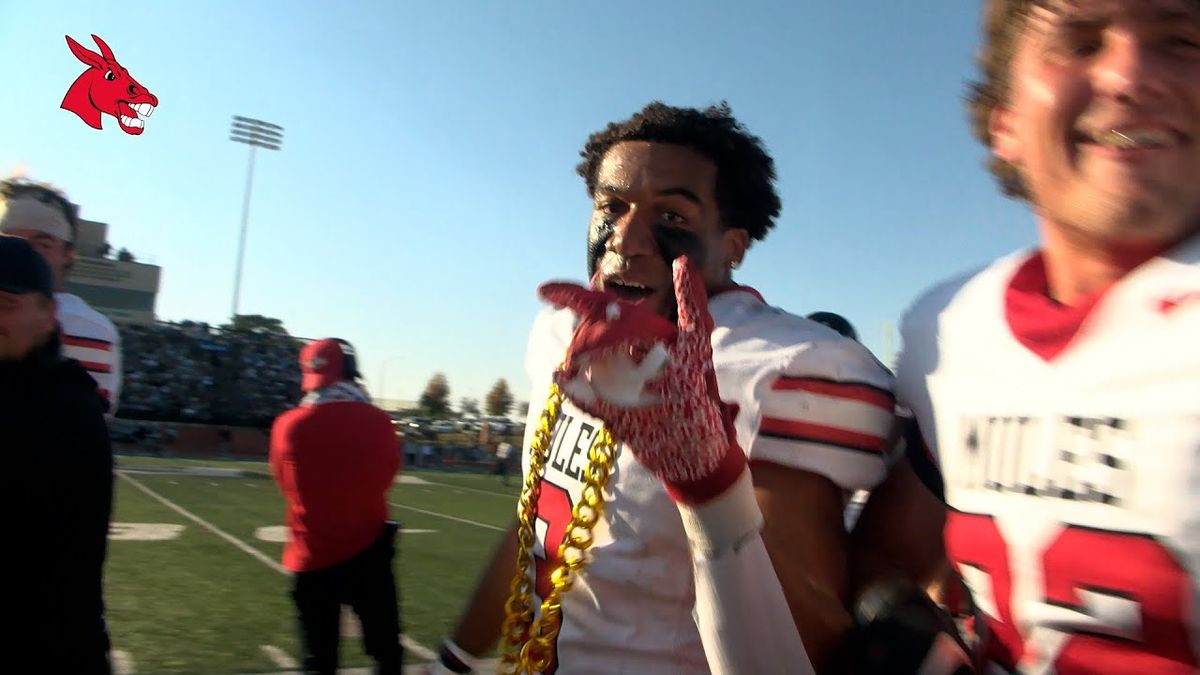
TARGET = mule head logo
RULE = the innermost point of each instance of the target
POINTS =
(106, 87)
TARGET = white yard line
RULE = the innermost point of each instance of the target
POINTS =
(482, 492)
(454, 518)
(278, 657)
(122, 662)
(414, 646)
(245, 548)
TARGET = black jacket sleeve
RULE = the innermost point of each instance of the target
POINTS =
(87, 509)
(54, 435)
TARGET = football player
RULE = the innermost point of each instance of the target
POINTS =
(47, 219)
(1057, 391)
(679, 195)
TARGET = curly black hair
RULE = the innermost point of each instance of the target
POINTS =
(745, 187)
(11, 188)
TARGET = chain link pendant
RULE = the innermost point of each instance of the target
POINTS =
(529, 644)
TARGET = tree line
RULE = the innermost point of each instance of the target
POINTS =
(435, 400)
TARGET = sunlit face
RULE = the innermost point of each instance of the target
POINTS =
(654, 201)
(26, 321)
(58, 253)
(1103, 118)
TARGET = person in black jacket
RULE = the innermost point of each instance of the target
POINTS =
(58, 459)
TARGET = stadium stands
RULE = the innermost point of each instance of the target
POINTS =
(191, 372)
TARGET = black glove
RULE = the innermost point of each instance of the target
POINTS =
(899, 630)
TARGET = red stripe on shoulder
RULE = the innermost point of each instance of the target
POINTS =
(88, 343)
(853, 391)
(819, 433)
(96, 367)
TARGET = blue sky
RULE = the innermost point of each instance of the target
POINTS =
(426, 184)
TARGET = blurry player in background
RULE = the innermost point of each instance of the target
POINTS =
(836, 322)
(811, 410)
(1058, 391)
(48, 220)
(503, 460)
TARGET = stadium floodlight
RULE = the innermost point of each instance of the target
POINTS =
(383, 366)
(256, 134)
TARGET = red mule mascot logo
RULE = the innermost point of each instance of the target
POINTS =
(106, 87)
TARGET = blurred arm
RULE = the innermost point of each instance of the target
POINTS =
(479, 624)
(899, 534)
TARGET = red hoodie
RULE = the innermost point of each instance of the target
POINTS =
(335, 463)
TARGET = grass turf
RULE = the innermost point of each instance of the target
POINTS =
(200, 604)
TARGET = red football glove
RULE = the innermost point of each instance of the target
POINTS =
(652, 382)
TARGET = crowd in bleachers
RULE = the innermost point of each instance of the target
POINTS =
(191, 372)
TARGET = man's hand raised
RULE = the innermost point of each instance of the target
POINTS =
(652, 382)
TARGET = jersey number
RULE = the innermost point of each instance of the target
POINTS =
(1081, 560)
(553, 509)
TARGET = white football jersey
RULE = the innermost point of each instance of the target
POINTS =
(805, 397)
(1071, 478)
(90, 338)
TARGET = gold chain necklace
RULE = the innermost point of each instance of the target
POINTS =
(529, 644)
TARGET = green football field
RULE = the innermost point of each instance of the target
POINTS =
(193, 583)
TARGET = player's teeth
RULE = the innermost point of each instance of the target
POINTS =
(135, 123)
(149, 109)
(1135, 138)
(1117, 139)
(125, 120)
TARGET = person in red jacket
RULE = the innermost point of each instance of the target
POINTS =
(334, 457)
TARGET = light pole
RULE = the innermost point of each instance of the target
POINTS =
(383, 374)
(256, 134)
